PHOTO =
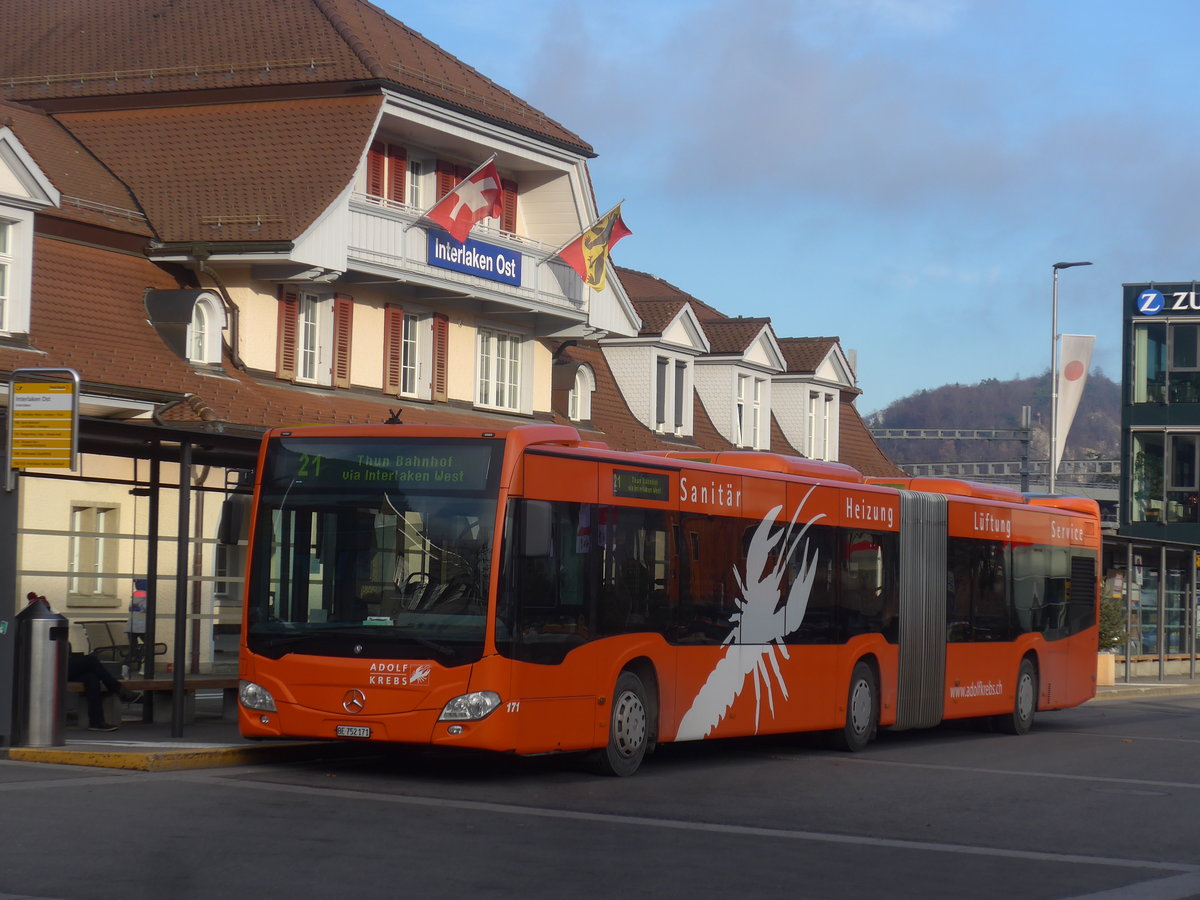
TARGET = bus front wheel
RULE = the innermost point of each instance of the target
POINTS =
(862, 711)
(1020, 720)
(628, 729)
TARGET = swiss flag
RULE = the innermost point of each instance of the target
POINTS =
(477, 197)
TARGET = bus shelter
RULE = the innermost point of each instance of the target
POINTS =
(172, 499)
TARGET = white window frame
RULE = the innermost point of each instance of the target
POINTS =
(748, 426)
(820, 441)
(419, 169)
(579, 398)
(92, 552)
(314, 337)
(16, 265)
(499, 369)
(7, 268)
(410, 354)
(811, 449)
(672, 379)
(739, 412)
(756, 410)
(204, 331)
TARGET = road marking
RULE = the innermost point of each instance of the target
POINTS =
(1178, 887)
(508, 809)
(1025, 773)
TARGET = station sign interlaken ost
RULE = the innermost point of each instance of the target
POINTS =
(44, 418)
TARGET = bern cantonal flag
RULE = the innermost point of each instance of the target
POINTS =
(477, 197)
(588, 253)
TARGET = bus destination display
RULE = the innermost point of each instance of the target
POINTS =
(641, 485)
(431, 465)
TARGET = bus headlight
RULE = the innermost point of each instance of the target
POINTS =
(470, 707)
(255, 696)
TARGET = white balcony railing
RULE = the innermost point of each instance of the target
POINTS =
(385, 236)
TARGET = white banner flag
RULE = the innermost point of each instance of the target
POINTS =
(1075, 358)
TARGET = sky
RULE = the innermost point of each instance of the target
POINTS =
(901, 174)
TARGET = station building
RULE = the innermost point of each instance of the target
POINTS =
(221, 230)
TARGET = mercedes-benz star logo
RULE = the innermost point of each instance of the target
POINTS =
(354, 701)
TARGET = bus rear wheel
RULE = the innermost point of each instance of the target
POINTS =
(1020, 720)
(862, 711)
(628, 729)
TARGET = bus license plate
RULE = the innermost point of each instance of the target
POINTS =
(354, 731)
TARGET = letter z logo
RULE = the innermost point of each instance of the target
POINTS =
(1150, 303)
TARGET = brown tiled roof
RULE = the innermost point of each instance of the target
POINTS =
(409, 59)
(803, 355)
(76, 51)
(779, 443)
(656, 315)
(856, 445)
(89, 192)
(733, 335)
(233, 172)
(87, 314)
(614, 423)
(641, 286)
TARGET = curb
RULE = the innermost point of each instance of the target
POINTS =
(161, 759)
(1138, 691)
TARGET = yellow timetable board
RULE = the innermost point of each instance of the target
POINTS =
(44, 420)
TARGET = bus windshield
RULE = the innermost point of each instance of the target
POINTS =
(373, 547)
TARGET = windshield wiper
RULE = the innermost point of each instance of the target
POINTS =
(373, 631)
(282, 641)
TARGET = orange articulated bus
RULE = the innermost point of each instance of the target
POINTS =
(526, 591)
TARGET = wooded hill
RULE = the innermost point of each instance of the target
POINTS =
(1095, 433)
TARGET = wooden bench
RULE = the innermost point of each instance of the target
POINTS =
(162, 692)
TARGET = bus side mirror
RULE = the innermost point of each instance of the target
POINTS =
(235, 518)
(535, 528)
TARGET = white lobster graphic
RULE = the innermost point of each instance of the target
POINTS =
(760, 621)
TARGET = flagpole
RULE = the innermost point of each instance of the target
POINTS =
(457, 185)
(577, 234)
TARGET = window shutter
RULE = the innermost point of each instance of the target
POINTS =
(343, 318)
(441, 340)
(375, 169)
(397, 173)
(445, 178)
(285, 353)
(508, 218)
(393, 348)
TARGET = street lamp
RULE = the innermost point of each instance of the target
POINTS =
(1053, 466)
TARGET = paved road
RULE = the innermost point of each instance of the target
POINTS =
(1096, 802)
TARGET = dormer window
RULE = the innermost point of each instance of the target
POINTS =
(6, 267)
(204, 333)
(24, 189)
(579, 398)
(749, 412)
(672, 393)
(820, 425)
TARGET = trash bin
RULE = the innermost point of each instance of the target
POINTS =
(41, 675)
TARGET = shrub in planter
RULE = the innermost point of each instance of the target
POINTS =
(1114, 629)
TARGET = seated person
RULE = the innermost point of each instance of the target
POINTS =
(86, 668)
